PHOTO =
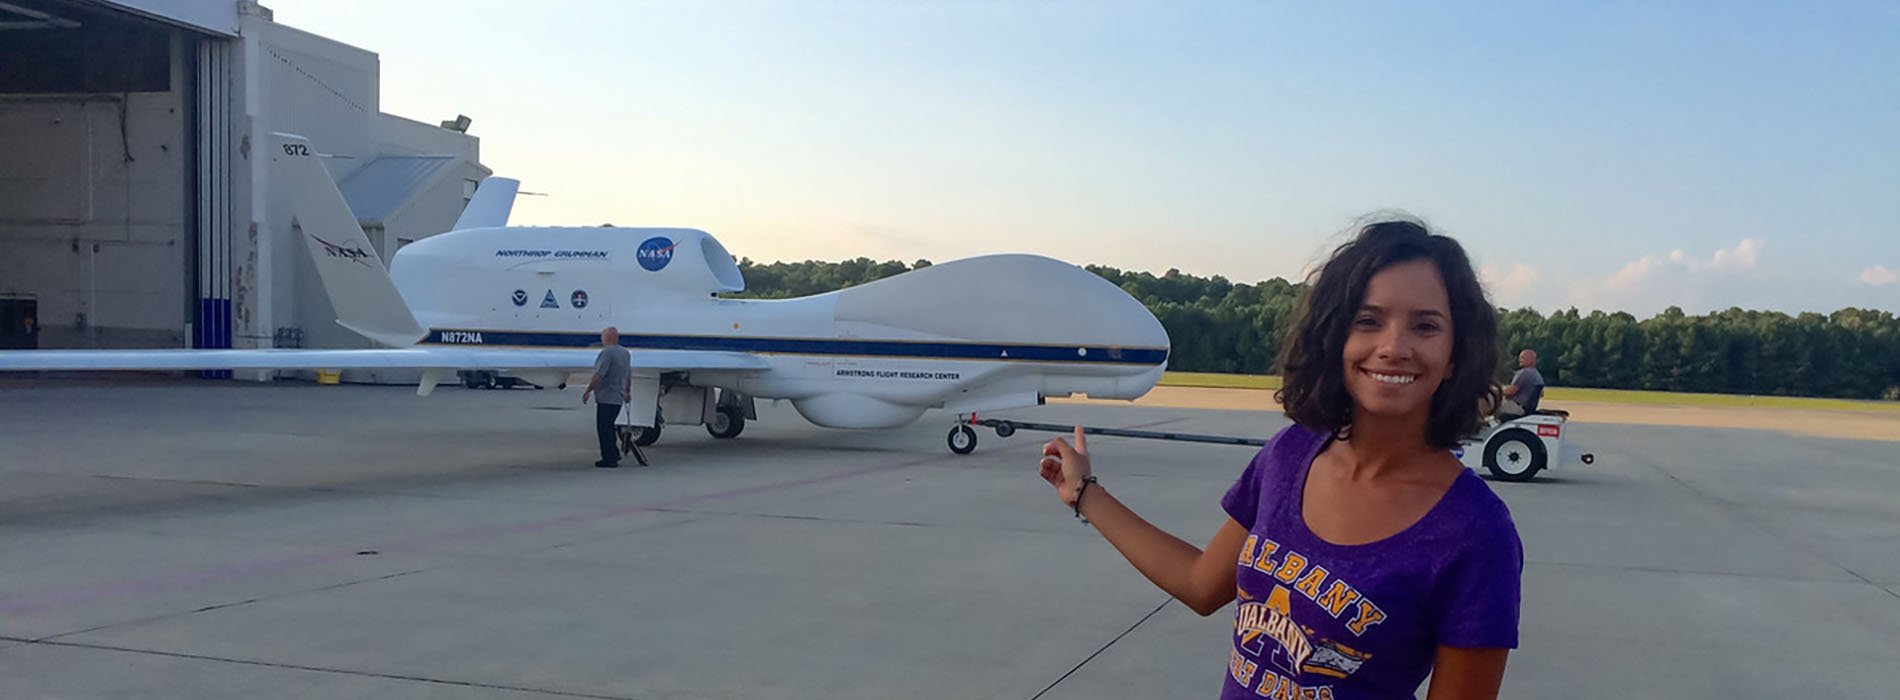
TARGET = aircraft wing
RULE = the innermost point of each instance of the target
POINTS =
(450, 358)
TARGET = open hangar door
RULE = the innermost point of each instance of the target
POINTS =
(100, 207)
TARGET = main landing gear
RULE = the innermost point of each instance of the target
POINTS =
(727, 423)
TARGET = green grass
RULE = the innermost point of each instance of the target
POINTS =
(1558, 394)
(1221, 381)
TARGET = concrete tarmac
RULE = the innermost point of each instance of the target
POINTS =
(174, 538)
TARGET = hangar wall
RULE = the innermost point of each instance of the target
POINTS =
(95, 196)
(136, 208)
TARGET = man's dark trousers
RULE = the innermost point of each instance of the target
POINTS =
(604, 416)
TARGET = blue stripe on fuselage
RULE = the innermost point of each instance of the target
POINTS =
(814, 346)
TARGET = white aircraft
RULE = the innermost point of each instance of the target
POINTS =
(980, 334)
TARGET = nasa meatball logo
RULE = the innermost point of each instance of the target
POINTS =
(655, 253)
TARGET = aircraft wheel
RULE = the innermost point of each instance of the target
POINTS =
(727, 423)
(962, 440)
(647, 436)
(1514, 455)
(1005, 429)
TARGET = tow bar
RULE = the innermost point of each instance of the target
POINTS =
(1005, 428)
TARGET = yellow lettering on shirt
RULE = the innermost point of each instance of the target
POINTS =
(1338, 598)
(1369, 615)
(1264, 563)
(1279, 601)
(1309, 586)
(1291, 570)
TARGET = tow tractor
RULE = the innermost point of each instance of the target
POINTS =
(1519, 448)
(1512, 450)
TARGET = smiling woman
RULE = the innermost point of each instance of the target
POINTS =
(1362, 554)
(1394, 275)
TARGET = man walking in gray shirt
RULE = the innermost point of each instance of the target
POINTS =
(1526, 389)
(613, 384)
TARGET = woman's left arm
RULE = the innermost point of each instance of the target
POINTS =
(1467, 674)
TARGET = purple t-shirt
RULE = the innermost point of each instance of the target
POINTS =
(1316, 620)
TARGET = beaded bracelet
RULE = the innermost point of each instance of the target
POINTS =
(1090, 479)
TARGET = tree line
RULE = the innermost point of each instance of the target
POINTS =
(1220, 326)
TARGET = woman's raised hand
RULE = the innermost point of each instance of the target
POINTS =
(1064, 466)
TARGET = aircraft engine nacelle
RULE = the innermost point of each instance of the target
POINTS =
(842, 410)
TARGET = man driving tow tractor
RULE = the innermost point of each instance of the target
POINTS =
(1526, 389)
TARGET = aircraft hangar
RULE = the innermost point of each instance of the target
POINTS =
(135, 205)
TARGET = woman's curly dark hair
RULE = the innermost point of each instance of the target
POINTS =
(1313, 390)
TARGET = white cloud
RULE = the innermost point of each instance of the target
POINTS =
(1731, 276)
(1746, 255)
(1509, 287)
(1638, 270)
(1879, 276)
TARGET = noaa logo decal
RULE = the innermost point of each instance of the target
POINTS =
(521, 297)
(655, 253)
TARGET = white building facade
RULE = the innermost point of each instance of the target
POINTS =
(135, 207)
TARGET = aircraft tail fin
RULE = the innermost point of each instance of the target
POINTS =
(490, 206)
(365, 298)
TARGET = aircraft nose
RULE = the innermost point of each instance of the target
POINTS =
(1134, 321)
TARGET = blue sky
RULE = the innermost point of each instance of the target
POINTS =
(1617, 155)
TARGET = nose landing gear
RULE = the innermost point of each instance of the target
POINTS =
(962, 439)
